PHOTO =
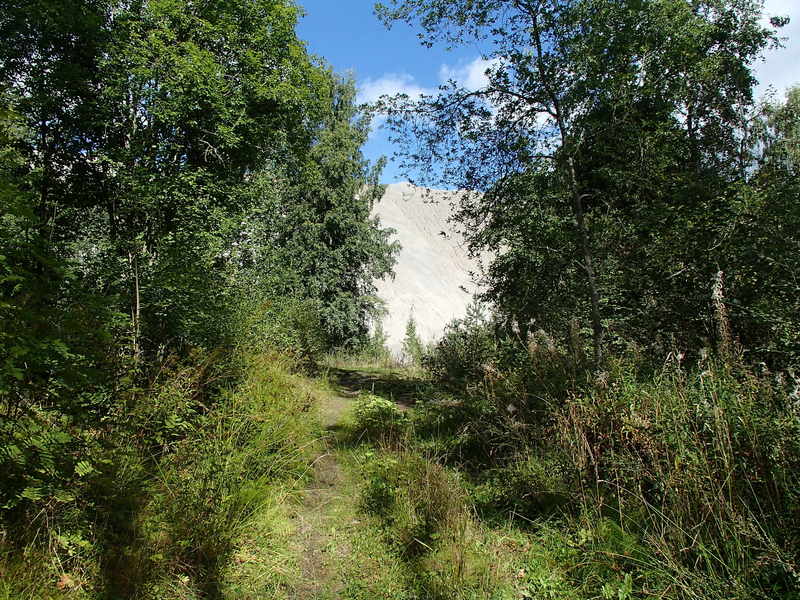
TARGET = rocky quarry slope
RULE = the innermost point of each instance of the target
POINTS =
(432, 276)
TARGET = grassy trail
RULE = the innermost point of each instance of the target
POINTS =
(324, 543)
(338, 552)
(316, 517)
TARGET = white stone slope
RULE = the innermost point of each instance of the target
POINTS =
(432, 270)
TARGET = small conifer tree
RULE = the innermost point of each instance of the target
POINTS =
(412, 345)
(376, 346)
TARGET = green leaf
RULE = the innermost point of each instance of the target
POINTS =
(84, 468)
(32, 493)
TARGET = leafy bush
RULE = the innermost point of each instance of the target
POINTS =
(43, 461)
(287, 326)
(477, 356)
(699, 464)
(467, 348)
(378, 419)
(159, 503)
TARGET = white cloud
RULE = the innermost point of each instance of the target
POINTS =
(471, 76)
(781, 68)
(390, 84)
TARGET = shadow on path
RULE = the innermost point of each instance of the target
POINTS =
(399, 387)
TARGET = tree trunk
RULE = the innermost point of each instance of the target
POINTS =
(135, 308)
(574, 188)
(588, 264)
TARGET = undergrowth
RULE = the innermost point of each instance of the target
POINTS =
(181, 488)
(671, 480)
(522, 470)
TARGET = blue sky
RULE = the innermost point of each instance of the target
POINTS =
(384, 61)
(348, 35)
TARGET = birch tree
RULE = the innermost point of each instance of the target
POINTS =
(562, 80)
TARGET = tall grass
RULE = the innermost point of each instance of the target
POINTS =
(697, 467)
(428, 519)
(703, 465)
(210, 487)
(165, 523)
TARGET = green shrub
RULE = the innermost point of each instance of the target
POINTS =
(45, 459)
(380, 489)
(465, 350)
(285, 325)
(378, 419)
(699, 465)
(172, 482)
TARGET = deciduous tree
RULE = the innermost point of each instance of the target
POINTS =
(603, 129)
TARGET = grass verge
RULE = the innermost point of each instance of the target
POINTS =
(168, 522)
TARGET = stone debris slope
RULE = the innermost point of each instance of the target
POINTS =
(433, 267)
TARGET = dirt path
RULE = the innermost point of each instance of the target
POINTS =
(398, 387)
(340, 553)
(314, 534)
(316, 516)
